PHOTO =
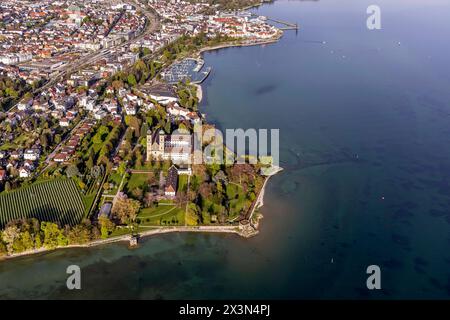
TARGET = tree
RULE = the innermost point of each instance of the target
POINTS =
(131, 79)
(149, 199)
(181, 198)
(9, 235)
(3, 250)
(205, 190)
(90, 161)
(125, 209)
(149, 121)
(72, 171)
(192, 215)
(79, 234)
(106, 226)
(96, 171)
(117, 84)
(27, 240)
(122, 168)
(134, 123)
(105, 150)
(139, 158)
(44, 140)
(101, 135)
(137, 193)
(144, 128)
(52, 235)
(146, 51)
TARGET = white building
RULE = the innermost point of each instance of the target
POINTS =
(24, 173)
(31, 154)
(64, 122)
(174, 147)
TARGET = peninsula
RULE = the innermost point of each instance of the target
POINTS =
(97, 134)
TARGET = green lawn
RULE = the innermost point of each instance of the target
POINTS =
(166, 202)
(144, 166)
(120, 232)
(161, 215)
(114, 178)
(87, 201)
(137, 180)
(182, 182)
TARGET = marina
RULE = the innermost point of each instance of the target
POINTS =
(187, 69)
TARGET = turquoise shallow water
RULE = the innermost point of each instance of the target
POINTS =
(364, 119)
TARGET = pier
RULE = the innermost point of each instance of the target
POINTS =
(288, 25)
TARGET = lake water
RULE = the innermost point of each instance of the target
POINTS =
(364, 119)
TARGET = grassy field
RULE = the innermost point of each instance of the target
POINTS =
(88, 200)
(55, 200)
(161, 215)
(137, 180)
(120, 232)
(182, 182)
(115, 178)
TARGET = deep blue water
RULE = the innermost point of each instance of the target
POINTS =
(364, 119)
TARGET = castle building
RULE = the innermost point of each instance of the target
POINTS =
(175, 147)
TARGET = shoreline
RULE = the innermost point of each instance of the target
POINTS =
(240, 44)
(223, 229)
(199, 92)
(259, 202)
(126, 238)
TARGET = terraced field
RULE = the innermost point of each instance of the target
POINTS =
(57, 201)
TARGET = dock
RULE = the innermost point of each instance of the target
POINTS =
(288, 25)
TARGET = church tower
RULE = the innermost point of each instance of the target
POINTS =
(149, 145)
(162, 139)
